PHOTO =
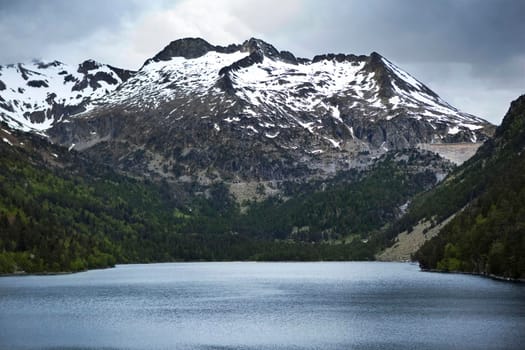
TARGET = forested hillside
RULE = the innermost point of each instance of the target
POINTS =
(487, 235)
(53, 222)
(353, 204)
(62, 212)
(55, 219)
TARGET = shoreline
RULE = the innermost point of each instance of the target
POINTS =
(484, 275)
(43, 273)
(49, 273)
(60, 273)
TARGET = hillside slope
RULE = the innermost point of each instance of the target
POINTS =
(62, 211)
(487, 197)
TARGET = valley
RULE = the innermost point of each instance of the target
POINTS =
(244, 152)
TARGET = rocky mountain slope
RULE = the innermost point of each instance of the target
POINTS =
(241, 113)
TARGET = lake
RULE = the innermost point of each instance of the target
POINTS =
(244, 305)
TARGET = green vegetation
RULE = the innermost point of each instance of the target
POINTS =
(50, 222)
(488, 235)
(70, 214)
(67, 213)
(354, 203)
(69, 223)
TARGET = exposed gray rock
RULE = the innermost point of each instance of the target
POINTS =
(247, 112)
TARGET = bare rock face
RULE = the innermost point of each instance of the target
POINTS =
(243, 112)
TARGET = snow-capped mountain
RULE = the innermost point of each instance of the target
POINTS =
(35, 96)
(196, 109)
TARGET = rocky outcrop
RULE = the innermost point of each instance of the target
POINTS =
(189, 48)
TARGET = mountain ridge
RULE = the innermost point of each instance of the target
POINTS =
(248, 112)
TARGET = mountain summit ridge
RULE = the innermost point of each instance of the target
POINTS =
(191, 48)
(245, 110)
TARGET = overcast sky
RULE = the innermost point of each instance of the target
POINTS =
(470, 52)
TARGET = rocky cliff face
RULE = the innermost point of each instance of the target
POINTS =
(244, 112)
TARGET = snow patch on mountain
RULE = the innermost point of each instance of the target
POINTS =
(157, 82)
(251, 88)
(417, 95)
(33, 91)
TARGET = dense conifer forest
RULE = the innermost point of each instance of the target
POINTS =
(74, 215)
(487, 235)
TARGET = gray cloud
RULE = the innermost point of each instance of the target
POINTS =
(422, 30)
(471, 52)
(30, 27)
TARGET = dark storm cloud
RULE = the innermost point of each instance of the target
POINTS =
(29, 27)
(479, 32)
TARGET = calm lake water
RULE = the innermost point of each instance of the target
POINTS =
(240, 305)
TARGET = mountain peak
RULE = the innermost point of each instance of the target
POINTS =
(42, 64)
(254, 44)
(190, 48)
(187, 48)
(257, 45)
(88, 65)
(512, 127)
(375, 56)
